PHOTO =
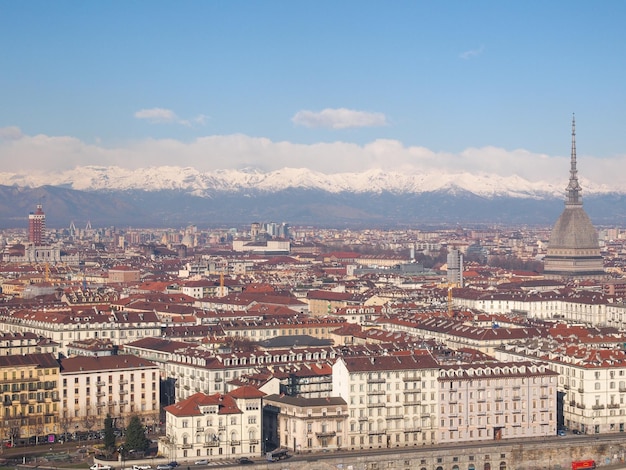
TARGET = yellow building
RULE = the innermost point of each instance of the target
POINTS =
(30, 396)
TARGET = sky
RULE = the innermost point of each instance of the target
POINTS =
(335, 86)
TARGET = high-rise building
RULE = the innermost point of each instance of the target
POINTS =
(37, 226)
(573, 250)
(455, 268)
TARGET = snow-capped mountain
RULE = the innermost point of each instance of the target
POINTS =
(202, 184)
(174, 196)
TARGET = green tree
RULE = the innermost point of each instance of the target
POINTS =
(109, 435)
(136, 435)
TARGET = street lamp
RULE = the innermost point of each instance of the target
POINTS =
(121, 451)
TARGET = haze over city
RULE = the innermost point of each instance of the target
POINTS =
(482, 87)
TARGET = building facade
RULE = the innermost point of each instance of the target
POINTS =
(116, 386)
(30, 397)
(214, 427)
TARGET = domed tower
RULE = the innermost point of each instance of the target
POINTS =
(573, 250)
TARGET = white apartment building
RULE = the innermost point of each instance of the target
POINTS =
(305, 424)
(392, 400)
(591, 381)
(585, 307)
(616, 315)
(494, 401)
(458, 334)
(197, 370)
(213, 427)
(64, 326)
(117, 386)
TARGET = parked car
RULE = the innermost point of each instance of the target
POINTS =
(576, 431)
(164, 467)
(561, 432)
(173, 464)
(141, 467)
(202, 462)
(245, 461)
(97, 466)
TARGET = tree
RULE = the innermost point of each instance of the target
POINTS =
(109, 435)
(136, 435)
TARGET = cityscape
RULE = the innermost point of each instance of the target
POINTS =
(349, 235)
(276, 341)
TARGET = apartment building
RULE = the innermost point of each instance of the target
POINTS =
(305, 424)
(116, 386)
(578, 306)
(458, 334)
(199, 370)
(25, 343)
(511, 400)
(30, 396)
(64, 325)
(392, 400)
(591, 381)
(213, 427)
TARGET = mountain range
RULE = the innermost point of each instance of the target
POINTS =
(173, 196)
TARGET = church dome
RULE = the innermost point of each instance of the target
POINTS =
(574, 230)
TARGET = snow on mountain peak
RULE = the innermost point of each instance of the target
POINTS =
(187, 179)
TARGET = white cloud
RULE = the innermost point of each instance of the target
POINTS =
(340, 118)
(157, 115)
(472, 53)
(167, 116)
(10, 133)
(41, 153)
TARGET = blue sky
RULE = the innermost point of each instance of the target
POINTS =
(330, 85)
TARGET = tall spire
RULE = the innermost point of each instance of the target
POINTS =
(573, 188)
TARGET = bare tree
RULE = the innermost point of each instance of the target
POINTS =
(66, 424)
(88, 421)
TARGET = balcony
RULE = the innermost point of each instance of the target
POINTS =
(211, 444)
(235, 443)
(199, 429)
(412, 379)
(123, 392)
(218, 379)
(517, 398)
(580, 406)
(612, 406)
(376, 392)
(254, 441)
(325, 434)
(376, 405)
(100, 383)
(100, 394)
(221, 427)
(362, 418)
(412, 402)
(395, 417)
(597, 407)
(566, 386)
(412, 430)
(123, 382)
(375, 381)
(581, 390)
(572, 403)
(123, 402)
(185, 446)
(622, 388)
(379, 431)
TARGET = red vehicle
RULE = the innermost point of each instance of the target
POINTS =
(583, 464)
